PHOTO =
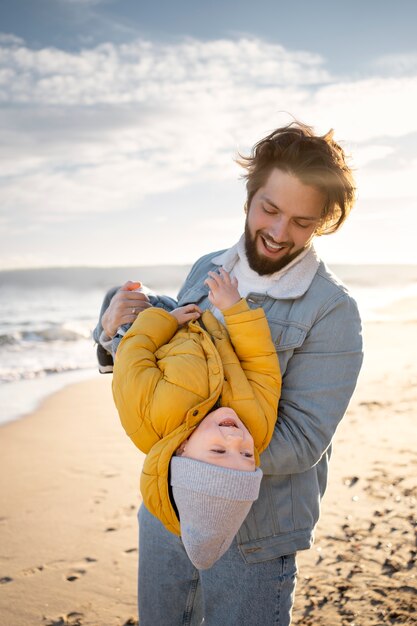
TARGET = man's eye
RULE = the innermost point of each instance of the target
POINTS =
(268, 210)
(302, 225)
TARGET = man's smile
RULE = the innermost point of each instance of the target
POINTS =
(270, 245)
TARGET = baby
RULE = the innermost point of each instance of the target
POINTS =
(200, 475)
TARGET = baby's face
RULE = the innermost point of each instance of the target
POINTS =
(222, 439)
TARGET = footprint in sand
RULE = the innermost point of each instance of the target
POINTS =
(100, 496)
(129, 510)
(71, 619)
(373, 404)
(30, 571)
(110, 474)
(352, 480)
(5, 579)
(75, 574)
(90, 559)
(78, 569)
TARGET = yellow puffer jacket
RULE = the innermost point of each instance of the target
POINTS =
(166, 380)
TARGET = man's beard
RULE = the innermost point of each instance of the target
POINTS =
(263, 265)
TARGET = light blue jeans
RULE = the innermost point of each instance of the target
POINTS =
(172, 592)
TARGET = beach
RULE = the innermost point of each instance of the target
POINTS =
(69, 496)
(361, 570)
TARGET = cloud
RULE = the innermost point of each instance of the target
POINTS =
(397, 64)
(400, 186)
(365, 154)
(365, 109)
(102, 129)
(143, 71)
(8, 39)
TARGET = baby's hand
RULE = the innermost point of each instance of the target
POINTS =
(223, 289)
(187, 313)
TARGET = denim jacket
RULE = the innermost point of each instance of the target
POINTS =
(317, 333)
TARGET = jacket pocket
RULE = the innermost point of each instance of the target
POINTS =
(287, 335)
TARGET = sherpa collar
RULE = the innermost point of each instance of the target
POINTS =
(290, 282)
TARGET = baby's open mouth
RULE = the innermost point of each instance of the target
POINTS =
(228, 423)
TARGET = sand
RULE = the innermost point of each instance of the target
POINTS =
(362, 568)
(69, 496)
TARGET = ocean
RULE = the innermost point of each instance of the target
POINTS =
(47, 317)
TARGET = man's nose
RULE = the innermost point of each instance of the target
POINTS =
(279, 228)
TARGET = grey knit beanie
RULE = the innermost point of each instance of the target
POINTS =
(212, 504)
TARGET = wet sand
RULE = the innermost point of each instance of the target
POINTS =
(69, 496)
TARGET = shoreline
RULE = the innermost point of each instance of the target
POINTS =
(69, 478)
(21, 398)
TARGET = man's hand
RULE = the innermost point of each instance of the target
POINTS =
(187, 313)
(223, 289)
(124, 307)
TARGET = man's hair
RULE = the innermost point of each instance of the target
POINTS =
(317, 161)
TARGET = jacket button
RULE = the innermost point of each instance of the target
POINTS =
(195, 413)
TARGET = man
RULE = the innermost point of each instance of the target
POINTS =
(298, 186)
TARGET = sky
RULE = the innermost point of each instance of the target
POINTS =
(120, 122)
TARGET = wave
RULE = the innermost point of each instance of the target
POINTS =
(9, 340)
(11, 376)
(48, 334)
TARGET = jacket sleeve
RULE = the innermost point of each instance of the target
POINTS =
(137, 377)
(255, 389)
(317, 385)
